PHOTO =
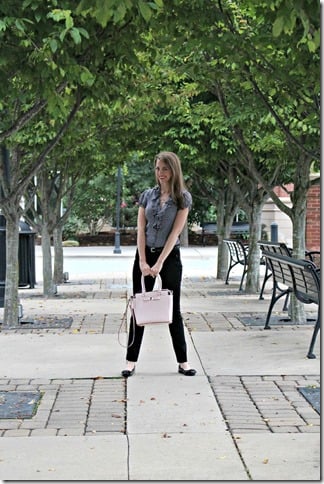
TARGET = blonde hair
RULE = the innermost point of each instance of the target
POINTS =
(177, 184)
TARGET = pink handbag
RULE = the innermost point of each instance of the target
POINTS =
(152, 307)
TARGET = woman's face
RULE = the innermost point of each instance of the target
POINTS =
(162, 171)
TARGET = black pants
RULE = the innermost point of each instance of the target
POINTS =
(171, 275)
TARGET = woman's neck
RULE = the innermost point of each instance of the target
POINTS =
(165, 190)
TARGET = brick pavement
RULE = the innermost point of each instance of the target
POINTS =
(98, 406)
(69, 407)
(98, 323)
(266, 403)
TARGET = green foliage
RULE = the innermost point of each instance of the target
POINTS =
(138, 174)
(72, 227)
(95, 197)
(242, 82)
(292, 15)
(117, 11)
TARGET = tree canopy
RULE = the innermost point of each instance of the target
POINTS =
(89, 86)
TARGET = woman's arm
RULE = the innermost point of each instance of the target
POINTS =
(141, 242)
(178, 225)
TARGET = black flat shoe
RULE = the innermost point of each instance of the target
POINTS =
(190, 372)
(127, 373)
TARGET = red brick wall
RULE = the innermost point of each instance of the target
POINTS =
(313, 217)
(280, 192)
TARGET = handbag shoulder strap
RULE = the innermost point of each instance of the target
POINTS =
(124, 322)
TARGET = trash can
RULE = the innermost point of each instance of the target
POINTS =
(26, 257)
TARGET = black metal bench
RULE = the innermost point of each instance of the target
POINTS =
(314, 256)
(300, 277)
(277, 248)
(281, 248)
(238, 252)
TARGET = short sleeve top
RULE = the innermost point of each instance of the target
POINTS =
(159, 220)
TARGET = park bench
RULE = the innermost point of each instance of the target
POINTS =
(281, 248)
(238, 253)
(238, 229)
(300, 277)
(276, 248)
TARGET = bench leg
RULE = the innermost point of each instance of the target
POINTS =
(266, 277)
(285, 306)
(274, 299)
(229, 270)
(310, 353)
(242, 279)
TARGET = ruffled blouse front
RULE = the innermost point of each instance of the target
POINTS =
(159, 219)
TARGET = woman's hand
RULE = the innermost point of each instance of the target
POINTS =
(145, 268)
(156, 269)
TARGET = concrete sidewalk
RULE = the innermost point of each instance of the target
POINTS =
(241, 417)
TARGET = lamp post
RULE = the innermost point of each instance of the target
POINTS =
(117, 249)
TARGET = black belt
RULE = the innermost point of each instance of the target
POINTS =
(154, 249)
(159, 249)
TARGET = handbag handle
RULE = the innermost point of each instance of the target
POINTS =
(157, 283)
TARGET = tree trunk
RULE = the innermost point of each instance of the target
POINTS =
(12, 271)
(297, 308)
(226, 209)
(253, 274)
(58, 255)
(49, 289)
(222, 256)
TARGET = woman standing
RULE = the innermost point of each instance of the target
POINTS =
(162, 214)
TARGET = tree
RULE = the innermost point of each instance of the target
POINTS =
(245, 64)
(52, 60)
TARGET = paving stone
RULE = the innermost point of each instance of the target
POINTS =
(70, 431)
(40, 381)
(8, 388)
(10, 424)
(21, 381)
(17, 433)
(43, 432)
(285, 430)
(313, 421)
(32, 424)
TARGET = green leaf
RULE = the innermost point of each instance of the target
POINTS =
(145, 10)
(69, 21)
(120, 13)
(19, 25)
(104, 14)
(62, 35)
(311, 45)
(53, 45)
(84, 33)
(75, 34)
(277, 26)
(87, 78)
